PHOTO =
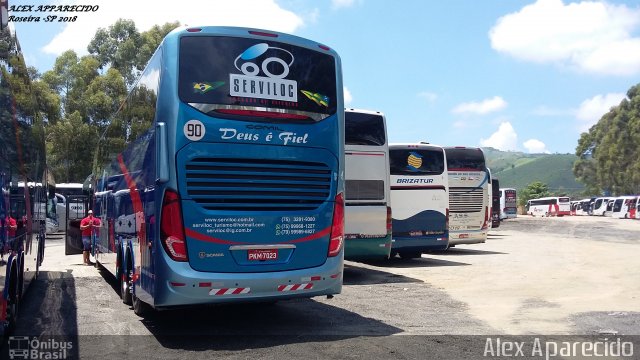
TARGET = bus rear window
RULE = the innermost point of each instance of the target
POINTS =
(564, 199)
(416, 162)
(363, 129)
(464, 159)
(229, 76)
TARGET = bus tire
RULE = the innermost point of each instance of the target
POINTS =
(125, 283)
(140, 307)
(13, 300)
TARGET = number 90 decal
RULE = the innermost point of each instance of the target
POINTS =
(194, 130)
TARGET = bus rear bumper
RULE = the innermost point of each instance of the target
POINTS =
(467, 237)
(200, 288)
(373, 248)
(422, 243)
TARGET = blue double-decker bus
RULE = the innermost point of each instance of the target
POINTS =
(26, 193)
(221, 177)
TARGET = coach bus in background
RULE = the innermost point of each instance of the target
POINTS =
(549, 206)
(508, 203)
(495, 203)
(469, 182)
(600, 206)
(64, 193)
(234, 165)
(26, 192)
(367, 198)
(419, 199)
(624, 207)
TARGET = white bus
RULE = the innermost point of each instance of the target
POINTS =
(508, 203)
(469, 183)
(367, 208)
(549, 206)
(600, 206)
(624, 206)
(419, 199)
(64, 191)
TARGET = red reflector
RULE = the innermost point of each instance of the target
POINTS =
(267, 114)
(316, 278)
(335, 275)
(323, 47)
(177, 284)
(337, 228)
(204, 284)
(194, 30)
(261, 33)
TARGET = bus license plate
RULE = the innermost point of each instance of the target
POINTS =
(262, 254)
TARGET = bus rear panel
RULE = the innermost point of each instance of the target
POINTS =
(235, 191)
(419, 199)
(368, 211)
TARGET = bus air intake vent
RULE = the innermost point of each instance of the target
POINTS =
(466, 200)
(257, 184)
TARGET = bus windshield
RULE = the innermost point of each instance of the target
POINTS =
(416, 162)
(364, 129)
(229, 76)
(465, 159)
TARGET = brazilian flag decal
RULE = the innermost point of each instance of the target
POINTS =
(414, 161)
(319, 99)
(205, 87)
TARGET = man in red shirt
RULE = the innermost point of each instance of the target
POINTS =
(87, 226)
(13, 226)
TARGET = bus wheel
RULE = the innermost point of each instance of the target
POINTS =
(125, 286)
(13, 302)
(140, 307)
(410, 254)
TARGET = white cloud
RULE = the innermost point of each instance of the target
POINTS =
(481, 107)
(535, 146)
(263, 14)
(505, 138)
(347, 95)
(429, 96)
(592, 36)
(591, 110)
(336, 4)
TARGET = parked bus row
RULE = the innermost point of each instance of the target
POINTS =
(622, 207)
(436, 197)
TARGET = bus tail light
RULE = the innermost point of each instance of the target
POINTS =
(485, 225)
(389, 220)
(446, 221)
(171, 229)
(337, 227)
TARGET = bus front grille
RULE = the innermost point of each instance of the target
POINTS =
(466, 200)
(257, 184)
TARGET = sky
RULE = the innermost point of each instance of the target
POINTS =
(515, 75)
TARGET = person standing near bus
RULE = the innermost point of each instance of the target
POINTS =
(87, 226)
(13, 227)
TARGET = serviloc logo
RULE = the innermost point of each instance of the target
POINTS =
(260, 79)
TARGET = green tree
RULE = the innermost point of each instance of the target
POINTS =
(609, 153)
(70, 147)
(534, 190)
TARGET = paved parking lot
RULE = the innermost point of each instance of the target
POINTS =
(546, 276)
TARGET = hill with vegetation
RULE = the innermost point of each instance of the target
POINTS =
(517, 170)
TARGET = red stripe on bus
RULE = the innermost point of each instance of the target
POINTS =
(202, 237)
